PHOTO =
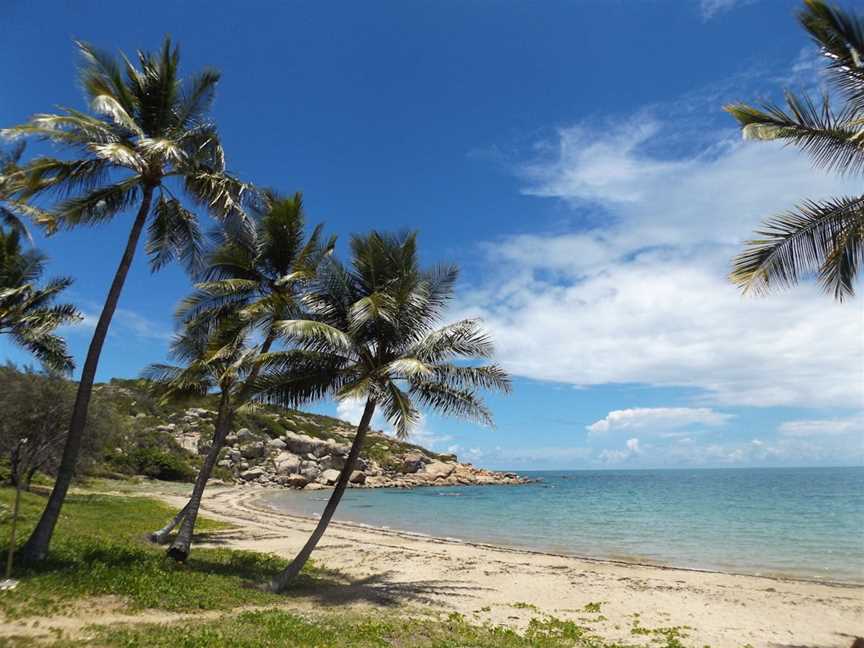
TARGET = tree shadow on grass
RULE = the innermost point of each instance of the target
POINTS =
(334, 589)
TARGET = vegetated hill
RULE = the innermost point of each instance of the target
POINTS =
(268, 445)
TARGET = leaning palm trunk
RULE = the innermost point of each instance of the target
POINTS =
(284, 579)
(161, 536)
(36, 547)
(179, 549)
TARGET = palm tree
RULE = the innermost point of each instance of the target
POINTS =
(27, 312)
(217, 357)
(11, 210)
(149, 132)
(371, 335)
(258, 276)
(824, 237)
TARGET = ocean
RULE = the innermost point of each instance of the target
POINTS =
(798, 522)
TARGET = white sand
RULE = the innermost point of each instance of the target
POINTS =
(484, 582)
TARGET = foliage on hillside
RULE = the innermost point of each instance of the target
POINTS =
(142, 434)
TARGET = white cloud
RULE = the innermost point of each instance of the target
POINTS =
(657, 418)
(852, 425)
(637, 290)
(711, 8)
(124, 322)
(630, 450)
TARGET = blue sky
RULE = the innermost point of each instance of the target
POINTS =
(572, 157)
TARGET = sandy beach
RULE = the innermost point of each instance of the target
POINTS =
(508, 586)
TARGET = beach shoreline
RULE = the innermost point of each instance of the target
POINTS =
(510, 586)
(503, 546)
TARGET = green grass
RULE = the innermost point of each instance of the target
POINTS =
(290, 629)
(100, 548)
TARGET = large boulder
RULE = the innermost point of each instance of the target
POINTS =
(244, 434)
(357, 477)
(253, 450)
(298, 443)
(310, 470)
(413, 461)
(252, 474)
(329, 477)
(439, 469)
(331, 461)
(286, 463)
(276, 444)
(293, 481)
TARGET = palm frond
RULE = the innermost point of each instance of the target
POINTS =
(98, 205)
(832, 141)
(840, 36)
(462, 403)
(173, 233)
(805, 241)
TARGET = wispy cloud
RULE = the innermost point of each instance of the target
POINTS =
(711, 8)
(124, 322)
(657, 418)
(636, 290)
(852, 425)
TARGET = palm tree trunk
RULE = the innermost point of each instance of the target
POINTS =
(161, 536)
(179, 549)
(36, 547)
(281, 581)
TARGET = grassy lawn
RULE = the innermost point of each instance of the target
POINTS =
(100, 549)
(283, 628)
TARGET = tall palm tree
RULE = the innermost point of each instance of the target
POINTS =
(217, 357)
(27, 312)
(148, 139)
(257, 276)
(825, 237)
(371, 335)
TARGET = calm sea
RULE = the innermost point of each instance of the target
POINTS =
(803, 522)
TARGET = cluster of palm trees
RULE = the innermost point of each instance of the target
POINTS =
(274, 316)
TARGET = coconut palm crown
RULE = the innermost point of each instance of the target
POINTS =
(825, 237)
(147, 139)
(371, 334)
(27, 311)
(260, 271)
(253, 278)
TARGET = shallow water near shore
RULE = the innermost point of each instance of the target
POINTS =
(797, 522)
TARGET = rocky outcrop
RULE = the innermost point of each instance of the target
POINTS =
(297, 460)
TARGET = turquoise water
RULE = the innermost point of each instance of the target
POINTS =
(802, 522)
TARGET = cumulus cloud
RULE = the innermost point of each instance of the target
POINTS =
(636, 289)
(631, 449)
(656, 418)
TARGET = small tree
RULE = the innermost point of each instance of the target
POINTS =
(36, 407)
